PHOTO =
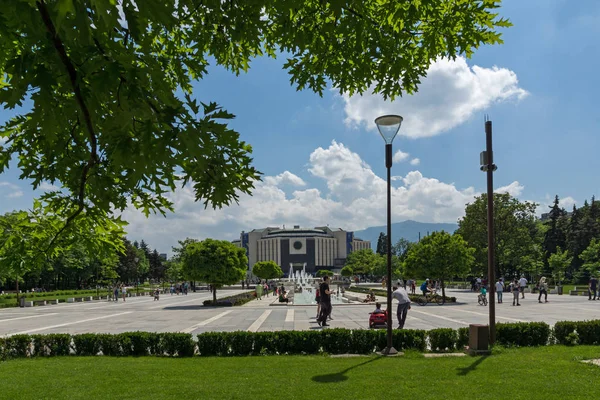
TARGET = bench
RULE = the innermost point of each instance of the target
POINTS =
(29, 304)
(52, 301)
(70, 300)
(579, 292)
(39, 302)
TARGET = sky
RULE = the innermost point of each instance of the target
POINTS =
(323, 159)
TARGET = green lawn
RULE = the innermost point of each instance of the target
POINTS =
(533, 373)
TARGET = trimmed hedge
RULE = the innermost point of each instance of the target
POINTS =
(383, 293)
(331, 341)
(235, 300)
(577, 332)
(443, 339)
(523, 334)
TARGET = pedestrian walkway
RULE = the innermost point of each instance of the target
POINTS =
(187, 314)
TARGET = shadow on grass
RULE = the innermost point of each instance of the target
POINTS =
(341, 376)
(465, 371)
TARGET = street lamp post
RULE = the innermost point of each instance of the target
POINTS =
(388, 126)
(488, 166)
(137, 275)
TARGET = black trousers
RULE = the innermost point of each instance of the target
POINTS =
(325, 311)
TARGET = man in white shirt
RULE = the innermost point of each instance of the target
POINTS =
(499, 290)
(401, 295)
(522, 284)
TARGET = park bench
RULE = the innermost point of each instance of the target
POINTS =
(39, 302)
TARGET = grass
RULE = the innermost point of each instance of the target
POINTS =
(531, 373)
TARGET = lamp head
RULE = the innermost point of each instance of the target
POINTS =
(388, 126)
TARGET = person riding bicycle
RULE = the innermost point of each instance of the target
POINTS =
(482, 294)
(425, 287)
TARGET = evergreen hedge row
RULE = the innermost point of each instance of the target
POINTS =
(330, 341)
(383, 293)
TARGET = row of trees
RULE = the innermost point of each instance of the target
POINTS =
(73, 261)
(564, 245)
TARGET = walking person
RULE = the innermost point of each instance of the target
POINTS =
(499, 290)
(117, 294)
(514, 288)
(592, 286)
(318, 300)
(325, 302)
(401, 295)
(543, 290)
(123, 291)
(522, 285)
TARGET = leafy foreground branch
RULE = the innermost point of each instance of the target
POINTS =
(113, 119)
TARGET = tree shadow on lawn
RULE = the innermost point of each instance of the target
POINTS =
(465, 371)
(340, 376)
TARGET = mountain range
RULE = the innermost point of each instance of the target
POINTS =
(408, 230)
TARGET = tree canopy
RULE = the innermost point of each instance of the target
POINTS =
(515, 230)
(267, 270)
(113, 118)
(217, 262)
(440, 256)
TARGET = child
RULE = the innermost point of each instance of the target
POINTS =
(482, 296)
(377, 309)
(514, 287)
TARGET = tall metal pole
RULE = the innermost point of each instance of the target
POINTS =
(388, 164)
(490, 227)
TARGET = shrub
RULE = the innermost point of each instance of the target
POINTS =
(212, 344)
(18, 346)
(241, 343)
(3, 352)
(443, 339)
(54, 344)
(336, 341)
(562, 329)
(87, 344)
(139, 343)
(235, 300)
(383, 293)
(463, 338)
(588, 332)
(177, 344)
(407, 339)
(109, 344)
(523, 334)
(363, 341)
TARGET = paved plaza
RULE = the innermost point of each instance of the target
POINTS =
(186, 314)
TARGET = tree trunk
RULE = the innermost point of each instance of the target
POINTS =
(443, 290)
(18, 292)
(214, 289)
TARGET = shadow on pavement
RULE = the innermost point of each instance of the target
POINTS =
(191, 307)
(340, 376)
(465, 371)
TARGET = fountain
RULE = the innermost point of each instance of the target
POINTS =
(305, 289)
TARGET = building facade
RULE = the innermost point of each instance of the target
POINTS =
(298, 248)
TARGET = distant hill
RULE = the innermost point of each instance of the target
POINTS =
(408, 230)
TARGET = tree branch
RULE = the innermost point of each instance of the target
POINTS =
(93, 159)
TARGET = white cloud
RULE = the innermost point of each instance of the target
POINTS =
(567, 203)
(400, 156)
(285, 177)
(355, 198)
(514, 189)
(415, 161)
(10, 190)
(15, 194)
(48, 187)
(450, 94)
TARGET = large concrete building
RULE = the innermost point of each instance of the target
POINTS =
(318, 248)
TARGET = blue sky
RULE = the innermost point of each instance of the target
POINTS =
(540, 89)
